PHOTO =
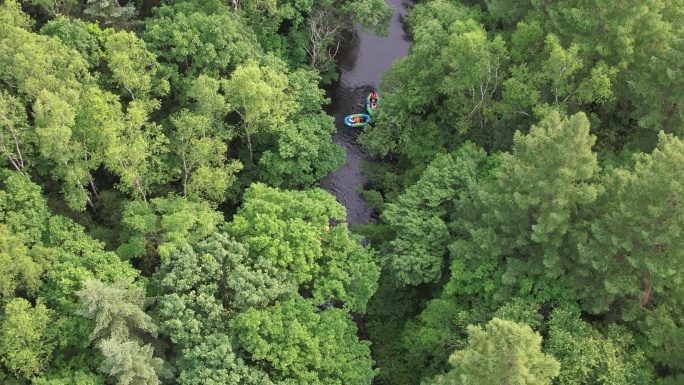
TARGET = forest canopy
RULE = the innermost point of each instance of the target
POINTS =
(161, 220)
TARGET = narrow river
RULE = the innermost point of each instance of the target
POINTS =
(361, 63)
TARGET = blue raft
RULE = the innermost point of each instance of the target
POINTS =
(357, 120)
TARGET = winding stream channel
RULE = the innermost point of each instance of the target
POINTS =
(361, 62)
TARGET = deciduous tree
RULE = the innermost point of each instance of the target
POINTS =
(25, 342)
(503, 352)
(296, 343)
(291, 229)
(258, 95)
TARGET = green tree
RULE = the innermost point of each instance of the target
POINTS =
(523, 222)
(291, 230)
(20, 268)
(12, 15)
(258, 95)
(195, 284)
(133, 66)
(56, 8)
(198, 288)
(454, 100)
(23, 208)
(441, 327)
(25, 342)
(162, 224)
(214, 361)
(70, 377)
(633, 246)
(14, 130)
(135, 154)
(120, 319)
(304, 152)
(389, 311)
(298, 344)
(115, 309)
(629, 262)
(420, 217)
(77, 258)
(503, 353)
(54, 121)
(78, 35)
(203, 169)
(589, 357)
(50, 84)
(130, 363)
(45, 63)
(196, 40)
(110, 11)
(54, 84)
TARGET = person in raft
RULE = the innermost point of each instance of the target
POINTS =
(373, 100)
(356, 119)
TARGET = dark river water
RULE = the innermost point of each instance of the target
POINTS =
(361, 62)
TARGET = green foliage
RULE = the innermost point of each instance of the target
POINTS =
(133, 67)
(119, 320)
(162, 224)
(463, 237)
(130, 363)
(373, 15)
(20, 268)
(79, 258)
(69, 378)
(291, 230)
(632, 245)
(76, 34)
(25, 342)
(56, 8)
(23, 209)
(432, 336)
(258, 95)
(305, 152)
(213, 361)
(197, 41)
(420, 216)
(13, 130)
(110, 11)
(522, 222)
(115, 308)
(46, 64)
(194, 288)
(249, 282)
(12, 15)
(195, 284)
(389, 309)
(203, 170)
(662, 329)
(520, 310)
(298, 344)
(490, 352)
(443, 103)
(588, 357)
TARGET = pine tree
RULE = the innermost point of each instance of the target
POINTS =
(119, 320)
(519, 228)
